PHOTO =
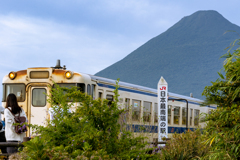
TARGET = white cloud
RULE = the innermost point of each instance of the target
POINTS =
(30, 42)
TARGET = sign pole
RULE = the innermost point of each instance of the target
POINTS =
(162, 110)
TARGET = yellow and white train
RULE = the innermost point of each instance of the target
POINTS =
(141, 102)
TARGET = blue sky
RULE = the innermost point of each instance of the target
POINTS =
(89, 35)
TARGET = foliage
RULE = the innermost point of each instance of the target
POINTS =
(222, 131)
(22, 127)
(225, 90)
(185, 146)
(91, 131)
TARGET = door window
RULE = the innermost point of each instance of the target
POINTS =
(39, 97)
(88, 89)
(93, 91)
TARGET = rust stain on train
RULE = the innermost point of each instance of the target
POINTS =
(21, 73)
(58, 72)
(62, 72)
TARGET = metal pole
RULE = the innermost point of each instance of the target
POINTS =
(187, 111)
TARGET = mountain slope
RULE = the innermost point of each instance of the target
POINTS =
(186, 55)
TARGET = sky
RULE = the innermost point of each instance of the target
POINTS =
(89, 35)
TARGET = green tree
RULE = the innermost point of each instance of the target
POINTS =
(91, 131)
(222, 131)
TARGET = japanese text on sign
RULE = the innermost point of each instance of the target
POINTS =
(162, 109)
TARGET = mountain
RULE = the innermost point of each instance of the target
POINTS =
(187, 55)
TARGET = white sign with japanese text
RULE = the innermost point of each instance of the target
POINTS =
(162, 109)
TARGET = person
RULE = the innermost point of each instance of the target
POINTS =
(12, 107)
(2, 132)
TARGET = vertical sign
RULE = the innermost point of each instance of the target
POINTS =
(162, 109)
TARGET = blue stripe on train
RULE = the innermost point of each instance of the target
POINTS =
(154, 129)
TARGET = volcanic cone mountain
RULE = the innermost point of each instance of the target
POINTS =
(187, 55)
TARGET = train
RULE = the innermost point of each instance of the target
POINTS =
(139, 102)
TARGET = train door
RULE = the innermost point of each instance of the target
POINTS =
(38, 105)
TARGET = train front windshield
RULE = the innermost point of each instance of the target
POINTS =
(17, 89)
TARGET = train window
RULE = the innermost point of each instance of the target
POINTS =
(176, 115)
(88, 89)
(81, 87)
(196, 117)
(155, 112)
(147, 108)
(100, 95)
(109, 98)
(39, 97)
(184, 114)
(17, 89)
(191, 116)
(136, 110)
(127, 104)
(3, 92)
(169, 114)
(93, 91)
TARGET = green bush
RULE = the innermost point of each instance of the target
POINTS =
(189, 145)
(92, 131)
(222, 133)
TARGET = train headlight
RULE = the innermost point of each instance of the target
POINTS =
(12, 75)
(68, 74)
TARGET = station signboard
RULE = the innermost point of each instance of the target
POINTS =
(162, 109)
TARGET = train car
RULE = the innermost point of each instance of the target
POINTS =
(139, 102)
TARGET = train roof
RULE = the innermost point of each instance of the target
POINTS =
(151, 91)
(138, 87)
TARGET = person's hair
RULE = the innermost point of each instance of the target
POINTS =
(13, 104)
